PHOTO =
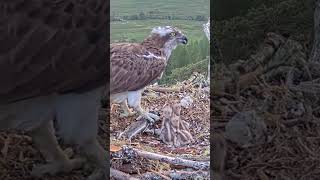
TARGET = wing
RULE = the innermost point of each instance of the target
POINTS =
(132, 68)
(51, 46)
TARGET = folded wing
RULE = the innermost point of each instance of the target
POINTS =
(51, 46)
(133, 67)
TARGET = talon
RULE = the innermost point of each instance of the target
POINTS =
(126, 111)
(151, 118)
(56, 167)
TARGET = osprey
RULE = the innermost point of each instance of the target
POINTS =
(53, 66)
(135, 65)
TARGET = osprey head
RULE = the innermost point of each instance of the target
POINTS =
(169, 37)
(171, 34)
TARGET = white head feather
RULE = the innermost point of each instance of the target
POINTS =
(171, 44)
(162, 31)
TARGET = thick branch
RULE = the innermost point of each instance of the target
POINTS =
(172, 160)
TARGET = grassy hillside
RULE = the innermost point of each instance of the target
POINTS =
(137, 30)
(170, 7)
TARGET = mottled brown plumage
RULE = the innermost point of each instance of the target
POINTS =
(131, 71)
(51, 46)
(53, 66)
(136, 65)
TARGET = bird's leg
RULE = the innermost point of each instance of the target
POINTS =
(126, 111)
(77, 117)
(150, 117)
(45, 140)
(134, 100)
(96, 154)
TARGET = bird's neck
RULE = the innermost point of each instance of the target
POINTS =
(157, 46)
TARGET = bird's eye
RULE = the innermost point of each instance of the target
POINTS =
(172, 34)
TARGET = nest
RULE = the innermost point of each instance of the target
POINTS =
(276, 89)
(194, 95)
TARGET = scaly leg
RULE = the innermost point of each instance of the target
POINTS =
(134, 100)
(77, 116)
(45, 140)
(126, 111)
(146, 115)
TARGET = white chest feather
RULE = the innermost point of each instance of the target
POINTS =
(169, 47)
(151, 55)
(133, 97)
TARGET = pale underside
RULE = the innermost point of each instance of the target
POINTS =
(76, 114)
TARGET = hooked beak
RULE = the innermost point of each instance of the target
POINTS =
(183, 40)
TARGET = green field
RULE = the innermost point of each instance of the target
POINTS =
(138, 30)
(170, 7)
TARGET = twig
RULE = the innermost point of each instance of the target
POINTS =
(159, 174)
(179, 174)
(163, 89)
(187, 174)
(121, 175)
(306, 148)
(172, 160)
(4, 150)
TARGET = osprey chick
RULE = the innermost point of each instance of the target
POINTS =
(135, 65)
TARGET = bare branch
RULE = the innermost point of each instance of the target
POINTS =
(172, 160)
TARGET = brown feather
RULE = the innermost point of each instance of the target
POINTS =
(131, 71)
(51, 47)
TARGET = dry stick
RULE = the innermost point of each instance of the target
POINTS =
(186, 174)
(300, 141)
(159, 174)
(177, 174)
(250, 78)
(164, 89)
(172, 160)
(121, 175)
(262, 175)
(4, 150)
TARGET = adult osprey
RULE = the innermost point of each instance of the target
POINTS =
(53, 66)
(135, 65)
